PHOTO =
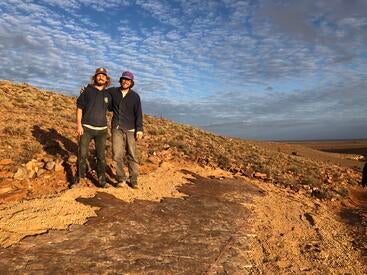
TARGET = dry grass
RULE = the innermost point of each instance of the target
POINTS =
(35, 121)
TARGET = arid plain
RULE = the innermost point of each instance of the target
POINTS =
(205, 203)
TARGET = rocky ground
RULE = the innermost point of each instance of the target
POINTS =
(296, 210)
(182, 219)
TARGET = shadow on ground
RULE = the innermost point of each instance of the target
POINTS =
(56, 145)
(356, 218)
(205, 232)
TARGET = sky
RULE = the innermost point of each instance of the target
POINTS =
(256, 69)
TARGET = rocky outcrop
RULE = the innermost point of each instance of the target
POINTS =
(39, 167)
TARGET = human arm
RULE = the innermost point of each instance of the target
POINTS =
(139, 120)
(79, 114)
(83, 89)
(80, 104)
(109, 105)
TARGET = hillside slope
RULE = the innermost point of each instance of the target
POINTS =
(298, 225)
(39, 125)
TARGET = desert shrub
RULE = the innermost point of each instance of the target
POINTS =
(57, 109)
(156, 131)
(352, 181)
(14, 131)
(29, 149)
(151, 150)
(69, 117)
(342, 191)
(21, 104)
(309, 180)
(295, 169)
(5, 101)
(321, 194)
(263, 168)
(21, 100)
(180, 145)
(224, 162)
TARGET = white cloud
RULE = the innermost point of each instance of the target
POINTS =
(200, 61)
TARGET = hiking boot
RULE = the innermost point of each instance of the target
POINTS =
(79, 182)
(76, 185)
(120, 184)
(102, 182)
(133, 184)
(120, 181)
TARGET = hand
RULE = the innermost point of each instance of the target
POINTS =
(139, 135)
(82, 90)
(80, 130)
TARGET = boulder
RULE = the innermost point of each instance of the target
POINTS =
(153, 160)
(32, 174)
(50, 165)
(39, 155)
(6, 174)
(248, 172)
(47, 158)
(5, 162)
(22, 173)
(31, 165)
(58, 165)
(39, 164)
(41, 172)
(259, 175)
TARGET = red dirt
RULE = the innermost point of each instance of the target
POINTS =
(205, 232)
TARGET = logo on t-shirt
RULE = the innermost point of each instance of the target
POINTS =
(106, 100)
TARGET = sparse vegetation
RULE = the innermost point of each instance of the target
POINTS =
(164, 140)
(28, 151)
(224, 162)
(310, 181)
(14, 131)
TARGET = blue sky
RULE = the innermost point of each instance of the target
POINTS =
(257, 69)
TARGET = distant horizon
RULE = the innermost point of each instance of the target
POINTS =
(322, 140)
(211, 130)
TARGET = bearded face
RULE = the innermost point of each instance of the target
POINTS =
(100, 79)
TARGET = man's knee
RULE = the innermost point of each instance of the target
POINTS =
(83, 152)
(131, 146)
(117, 153)
(118, 143)
(101, 163)
(101, 153)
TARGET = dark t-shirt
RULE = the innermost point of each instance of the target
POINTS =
(94, 104)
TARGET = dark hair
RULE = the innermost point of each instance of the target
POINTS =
(93, 80)
(132, 82)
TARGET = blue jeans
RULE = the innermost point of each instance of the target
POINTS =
(99, 137)
(124, 144)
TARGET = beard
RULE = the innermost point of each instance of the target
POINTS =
(100, 82)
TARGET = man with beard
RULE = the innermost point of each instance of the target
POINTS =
(92, 106)
(127, 127)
